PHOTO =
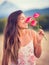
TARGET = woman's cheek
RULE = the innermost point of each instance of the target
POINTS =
(21, 25)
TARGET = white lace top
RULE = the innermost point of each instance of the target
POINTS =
(26, 55)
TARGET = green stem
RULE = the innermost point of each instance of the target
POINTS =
(45, 37)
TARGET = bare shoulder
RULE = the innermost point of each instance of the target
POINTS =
(31, 31)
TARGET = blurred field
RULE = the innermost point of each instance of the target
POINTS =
(43, 60)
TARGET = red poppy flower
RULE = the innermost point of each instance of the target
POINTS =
(33, 23)
(36, 15)
(28, 20)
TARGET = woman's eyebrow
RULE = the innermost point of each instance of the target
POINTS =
(22, 17)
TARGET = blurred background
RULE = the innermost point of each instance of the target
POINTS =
(29, 7)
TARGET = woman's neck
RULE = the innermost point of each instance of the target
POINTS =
(22, 31)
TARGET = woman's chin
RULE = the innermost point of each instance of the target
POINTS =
(26, 27)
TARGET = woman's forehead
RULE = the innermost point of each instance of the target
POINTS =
(21, 15)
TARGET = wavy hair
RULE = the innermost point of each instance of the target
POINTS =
(11, 39)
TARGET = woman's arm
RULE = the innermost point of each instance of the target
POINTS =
(37, 38)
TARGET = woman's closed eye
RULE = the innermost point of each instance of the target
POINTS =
(21, 18)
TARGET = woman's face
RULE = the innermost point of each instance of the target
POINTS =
(21, 21)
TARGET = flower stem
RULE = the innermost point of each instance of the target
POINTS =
(45, 37)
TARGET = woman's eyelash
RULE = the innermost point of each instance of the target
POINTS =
(21, 18)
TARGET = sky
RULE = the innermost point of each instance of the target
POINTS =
(29, 4)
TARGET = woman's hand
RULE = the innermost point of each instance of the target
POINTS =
(41, 33)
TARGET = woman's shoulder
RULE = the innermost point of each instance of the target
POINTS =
(31, 31)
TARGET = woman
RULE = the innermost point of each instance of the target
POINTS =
(21, 45)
